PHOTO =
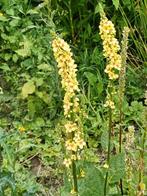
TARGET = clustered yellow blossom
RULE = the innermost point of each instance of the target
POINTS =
(110, 47)
(67, 70)
(109, 103)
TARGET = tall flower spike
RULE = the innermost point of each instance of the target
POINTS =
(110, 47)
(74, 137)
(110, 50)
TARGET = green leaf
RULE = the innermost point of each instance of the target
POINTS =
(116, 3)
(6, 180)
(14, 22)
(117, 167)
(3, 18)
(5, 67)
(26, 50)
(93, 182)
(28, 88)
(44, 67)
(44, 96)
(91, 78)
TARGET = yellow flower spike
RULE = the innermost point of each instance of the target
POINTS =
(67, 70)
(110, 47)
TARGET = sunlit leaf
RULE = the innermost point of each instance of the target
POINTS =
(28, 88)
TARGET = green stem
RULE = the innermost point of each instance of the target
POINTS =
(74, 173)
(109, 150)
(142, 158)
(122, 90)
(120, 137)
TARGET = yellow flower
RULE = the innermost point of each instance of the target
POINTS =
(106, 166)
(110, 104)
(141, 186)
(71, 145)
(1, 14)
(70, 127)
(73, 192)
(67, 162)
(21, 129)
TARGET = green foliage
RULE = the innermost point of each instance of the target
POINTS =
(31, 113)
(90, 184)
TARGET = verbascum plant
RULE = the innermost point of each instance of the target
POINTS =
(141, 184)
(74, 136)
(121, 91)
(111, 48)
(129, 145)
(122, 79)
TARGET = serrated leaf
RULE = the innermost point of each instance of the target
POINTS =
(27, 89)
(116, 3)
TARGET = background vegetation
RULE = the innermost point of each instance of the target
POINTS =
(31, 113)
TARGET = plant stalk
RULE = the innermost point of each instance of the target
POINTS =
(74, 173)
(122, 90)
(71, 22)
(109, 150)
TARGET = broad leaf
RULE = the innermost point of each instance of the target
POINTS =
(28, 88)
(117, 167)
